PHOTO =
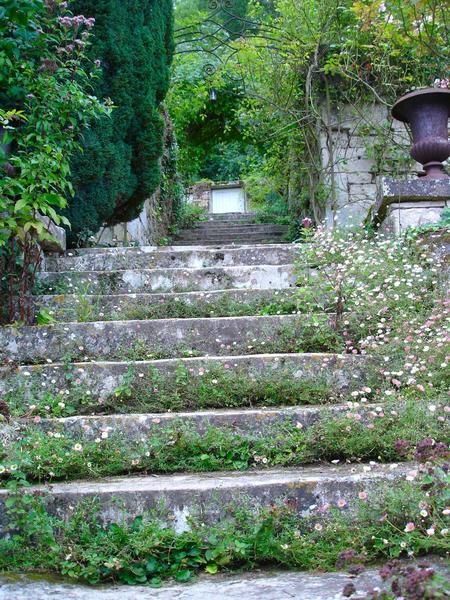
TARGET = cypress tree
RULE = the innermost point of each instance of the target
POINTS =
(119, 165)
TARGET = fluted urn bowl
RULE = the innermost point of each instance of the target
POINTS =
(427, 112)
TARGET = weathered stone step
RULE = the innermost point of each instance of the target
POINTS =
(229, 238)
(216, 303)
(124, 498)
(116, 259)
(234, 225)
(249, 216)
(165, 338)
(341, 373)
(258, 585)
(246, 421)
(212, 228)
(169, 280)
(173, 248)
(231, 241)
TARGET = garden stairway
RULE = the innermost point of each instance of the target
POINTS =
(231, 228)
(130, 327)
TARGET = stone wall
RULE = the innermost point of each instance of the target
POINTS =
(358, 145)
(147, 230)
(201, 195)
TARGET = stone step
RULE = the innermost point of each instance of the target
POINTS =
(113, 259)
(210, 494)
(212, 228)
(228, 237)
(163, 249)
(249, 216)
(257, 585)
(230, 242)
(168, 280)
(164, 338)
(234, 225)
(341, 373)
(247, 421)
(216, 303)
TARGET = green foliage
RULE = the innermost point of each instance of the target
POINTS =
(119, 165)
(295, 64)
(46, 100)
(189, 214)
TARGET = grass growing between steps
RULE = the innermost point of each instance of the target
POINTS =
(384, 434)
(408, 520)
(209, 386)
(311, 333)
(85, 310)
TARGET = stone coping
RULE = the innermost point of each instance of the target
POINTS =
(396, 191)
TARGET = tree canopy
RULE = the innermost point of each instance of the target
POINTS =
(274, 81)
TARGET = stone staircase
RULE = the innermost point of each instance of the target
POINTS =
(231, 228)
(128, 313)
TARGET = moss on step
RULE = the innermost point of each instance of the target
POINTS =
(97, 308)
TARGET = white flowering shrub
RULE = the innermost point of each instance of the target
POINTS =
(390, 300)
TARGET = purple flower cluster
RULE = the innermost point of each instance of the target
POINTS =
(402, 447)
(350, 558)
(428, 449)
(47, 64)
(77, 21)
(406, 582)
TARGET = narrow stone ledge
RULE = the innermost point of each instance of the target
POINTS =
(247, 421)
(258, 585)
(412, 203)
(171, 257)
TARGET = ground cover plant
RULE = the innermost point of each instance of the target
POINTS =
(178, 308)
(84, 307)
(145, 389)
(364, 433)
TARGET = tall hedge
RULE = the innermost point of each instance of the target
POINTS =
(119, 166)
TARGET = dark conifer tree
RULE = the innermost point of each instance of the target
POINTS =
(119, 166)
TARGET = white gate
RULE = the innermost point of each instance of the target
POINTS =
(228, 200)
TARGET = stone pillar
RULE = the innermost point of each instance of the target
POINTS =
(413, 203)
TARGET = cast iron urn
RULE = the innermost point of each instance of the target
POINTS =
(427, 112)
